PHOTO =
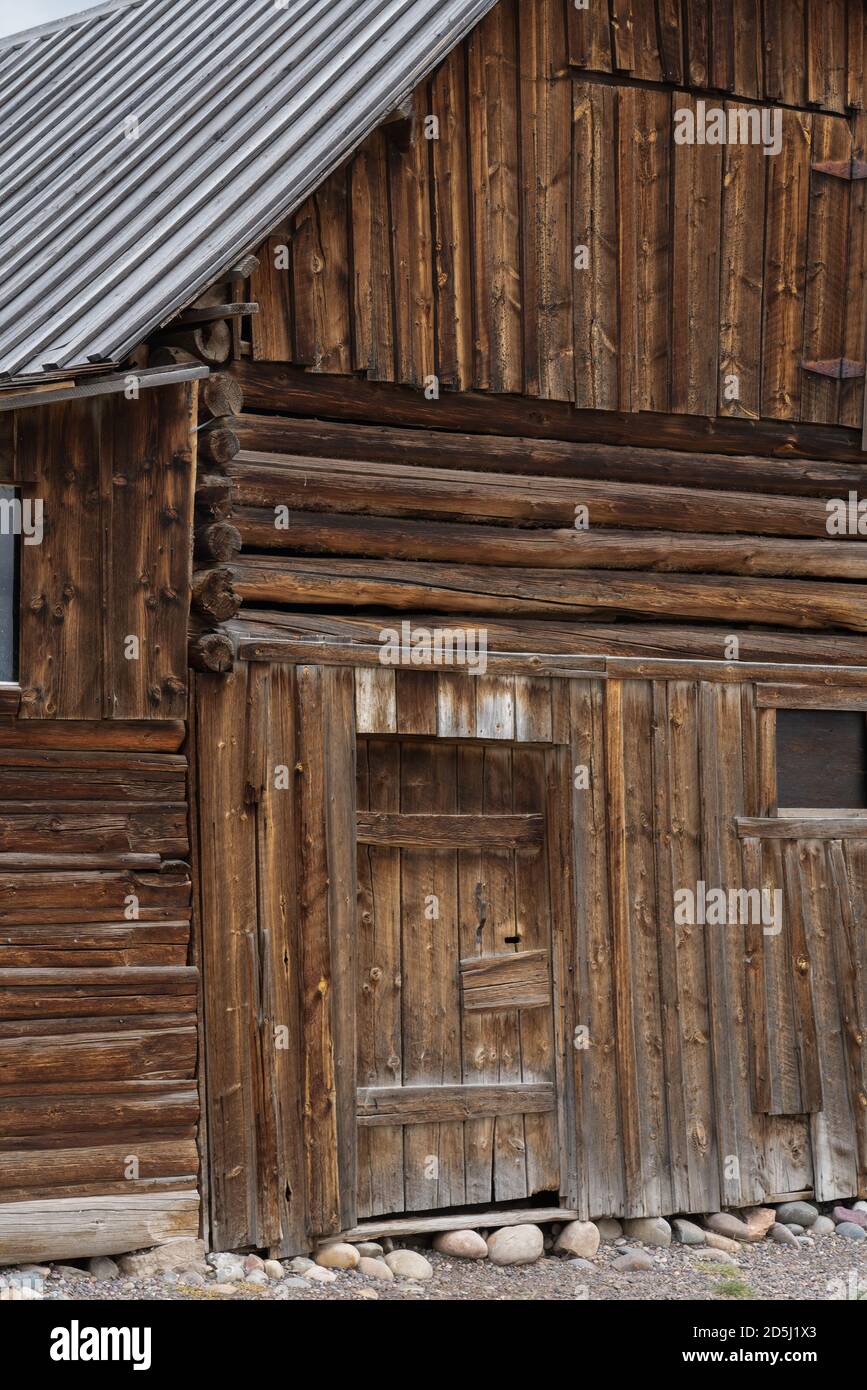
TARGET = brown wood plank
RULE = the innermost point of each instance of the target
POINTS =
(416, 702)
(533, 720)
(379, 981)
(320, 262)
(696, 273)
(747, 75)
(594, 227)
(623, 968)
(375, 701)
(490, 452)
(826, 54)
(644, 927)
(794, 828)
(74, 1227)
(855, 278)
(785, 278)
(698, 64)
(683, 976)
(372, 318)
(722, 790)
(277, 386)
(588, 34)
(409, 171)
(479, 1220)
(433, 1153)
(323, 533)
(271, 287)
(411, 1105)
(722, 33)
(145, 736)
(453, 246)
(547, 257)
(494, 716)
(327, 895)
(830, 696)
(741, 271)
(227, 955)
(670, 23)
(493, 105)
(449, 831)
(855, 70)
(456, 705)
(168, 1053)
(849, 872)
(787, 1045)
(544, 1048)
(835, 1144)
(578, 720)
(148, 471)
(479, 1037)
(644, 289)
(559, 593)
(785, 39)
(61, 579)
(623, 34)
(827, 261)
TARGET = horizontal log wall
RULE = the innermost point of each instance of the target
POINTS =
(583, 546)
(98, 996)
(554, 241)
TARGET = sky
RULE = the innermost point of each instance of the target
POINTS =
(25, 14)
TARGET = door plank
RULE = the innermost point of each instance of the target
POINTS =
(380, 1041)
(449, 831)
(411, 1105)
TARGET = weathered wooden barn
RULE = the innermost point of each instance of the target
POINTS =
(437, 618)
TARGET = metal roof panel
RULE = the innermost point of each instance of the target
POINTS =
(243, 106)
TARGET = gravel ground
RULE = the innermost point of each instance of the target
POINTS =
(763, 1272)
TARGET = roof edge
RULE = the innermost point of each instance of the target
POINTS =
(66, 21)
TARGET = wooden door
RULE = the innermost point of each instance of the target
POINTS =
(456, 1063)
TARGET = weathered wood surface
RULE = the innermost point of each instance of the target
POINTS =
(117, 480)
(71, 1227)
(410, 1105)
(546, 647)
(535, 451)
(98, 1041)
(405, 585)
(272, 387)
(422, 1225)
(554, 241)
(447, 831)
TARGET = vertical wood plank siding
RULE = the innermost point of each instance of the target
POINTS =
(710, 1061)
(116, 478)
(512, 248)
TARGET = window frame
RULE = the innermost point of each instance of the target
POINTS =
(771, 698)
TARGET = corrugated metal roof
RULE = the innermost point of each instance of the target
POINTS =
(146, 144)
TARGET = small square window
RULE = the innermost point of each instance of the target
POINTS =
(8, 544)
(821, 759)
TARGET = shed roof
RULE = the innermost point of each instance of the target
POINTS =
(146, 144)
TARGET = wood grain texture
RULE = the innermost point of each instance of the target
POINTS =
(116, 478)
(372, 287)
(492, 79)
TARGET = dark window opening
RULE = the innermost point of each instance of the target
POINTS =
(8, 548)
(821, 759)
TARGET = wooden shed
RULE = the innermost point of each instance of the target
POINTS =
(433, 629)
